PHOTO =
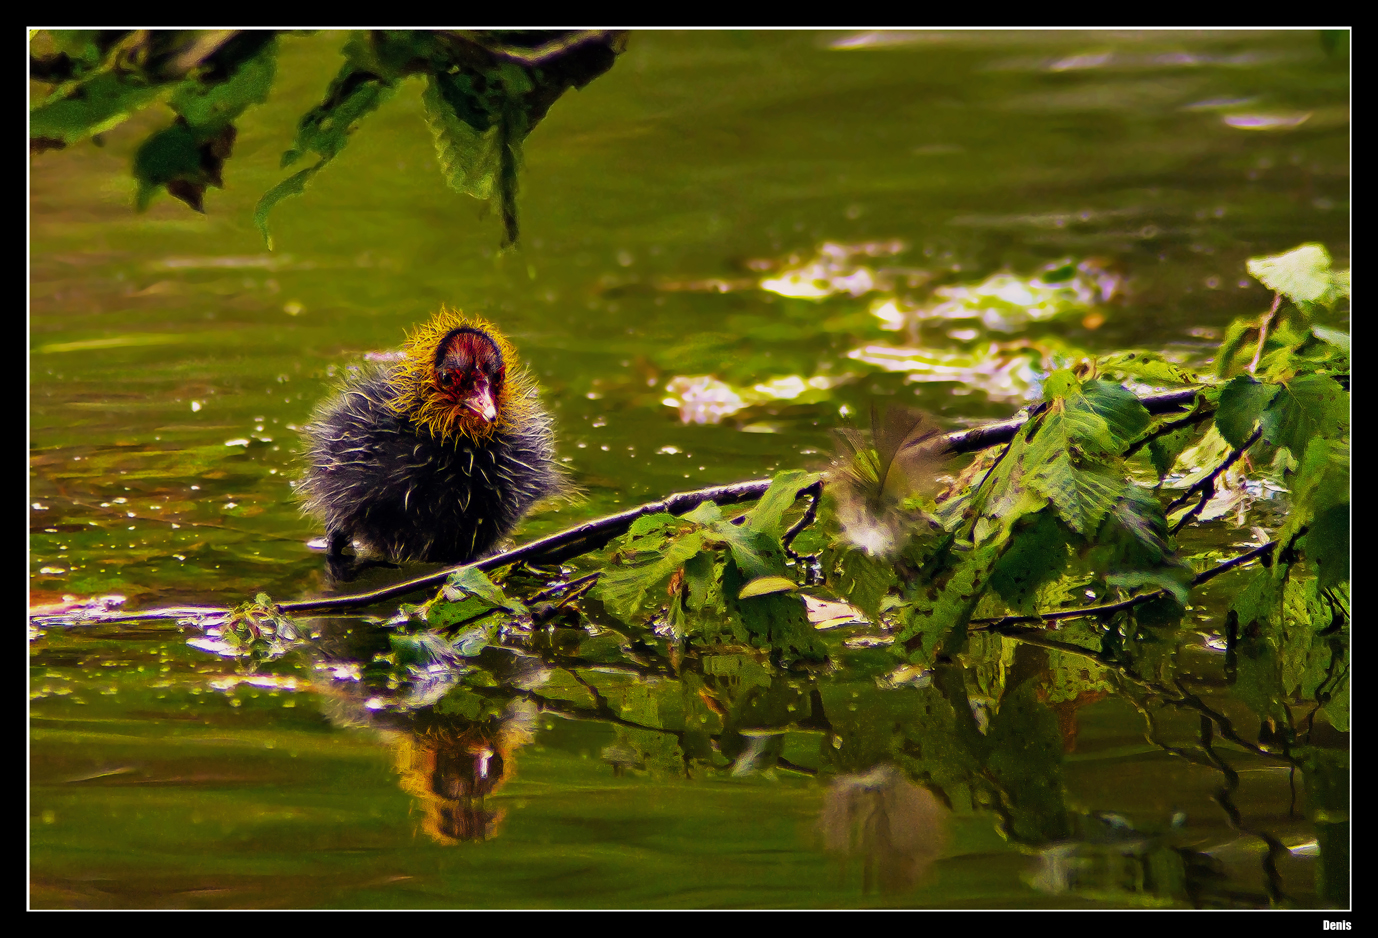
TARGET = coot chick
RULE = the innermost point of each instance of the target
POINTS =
(432, 458)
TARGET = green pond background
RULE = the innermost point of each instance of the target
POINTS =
(172, 358)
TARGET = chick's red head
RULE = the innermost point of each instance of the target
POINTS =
(470, 373)
(459, 376)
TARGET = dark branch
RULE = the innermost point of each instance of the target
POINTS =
(592, 535)
(1205, 488)
(1002, 625)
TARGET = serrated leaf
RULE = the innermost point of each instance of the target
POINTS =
(624, 589)
(1327, 544)
(768, 515)
(1242, 402)
(765, 585)
(948, 603)
(473, 640)
(1302, 274)
(1061, 383)
(775, 620)
(471, 581)
(1306, 407)
(441, 615)
(422, 649)
(1124, 414)
(756, 554)
(324, 130)
(1332, 336)
(698, 577)
(469, 156)
(659, 523)
(1057, 461)
(860, 579)
(707, 513)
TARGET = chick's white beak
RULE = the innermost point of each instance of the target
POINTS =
(481, 403)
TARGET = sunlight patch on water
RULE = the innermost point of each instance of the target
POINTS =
(1265, 121)
(705, 399)
(840, 268)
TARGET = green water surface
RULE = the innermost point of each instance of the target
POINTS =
(172, 359)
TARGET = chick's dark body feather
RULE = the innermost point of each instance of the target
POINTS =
(376, 477)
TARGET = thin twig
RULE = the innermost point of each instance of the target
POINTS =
(1002, 623)
(1200, 412)
(815, 494)
(571, 542)
(1205, 488)
(1263, 331)
(993, 434)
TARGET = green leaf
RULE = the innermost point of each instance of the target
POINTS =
(776, 620)
(184, 160)
(1242, 402)
(660, 523)
(442, 615)
(698, 577)
(469, 155)
(1082, 493)
(1151, 367)
(860, 579)
(765, 585)
(1306, 407)
(624, 589)
(755, 553)
(1333, 336)
(947, 603)
(769, 514)
(213, 104)
(1037, 555)
(473, 640)
(1061, 383)
(1176, 582)
(1026, 761)
(1164, 450)
(1327, 543)
(1238, 334)
(93, 107)
(1124, 414)
(292, 185)
(324, 130)
(471, 581)
(1302, 274)
(1133, 535)
(422, 649)
(707, 513)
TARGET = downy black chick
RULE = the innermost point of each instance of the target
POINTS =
(434, 457)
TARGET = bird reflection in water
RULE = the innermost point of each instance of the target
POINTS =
(895, 827)
(450, 765)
